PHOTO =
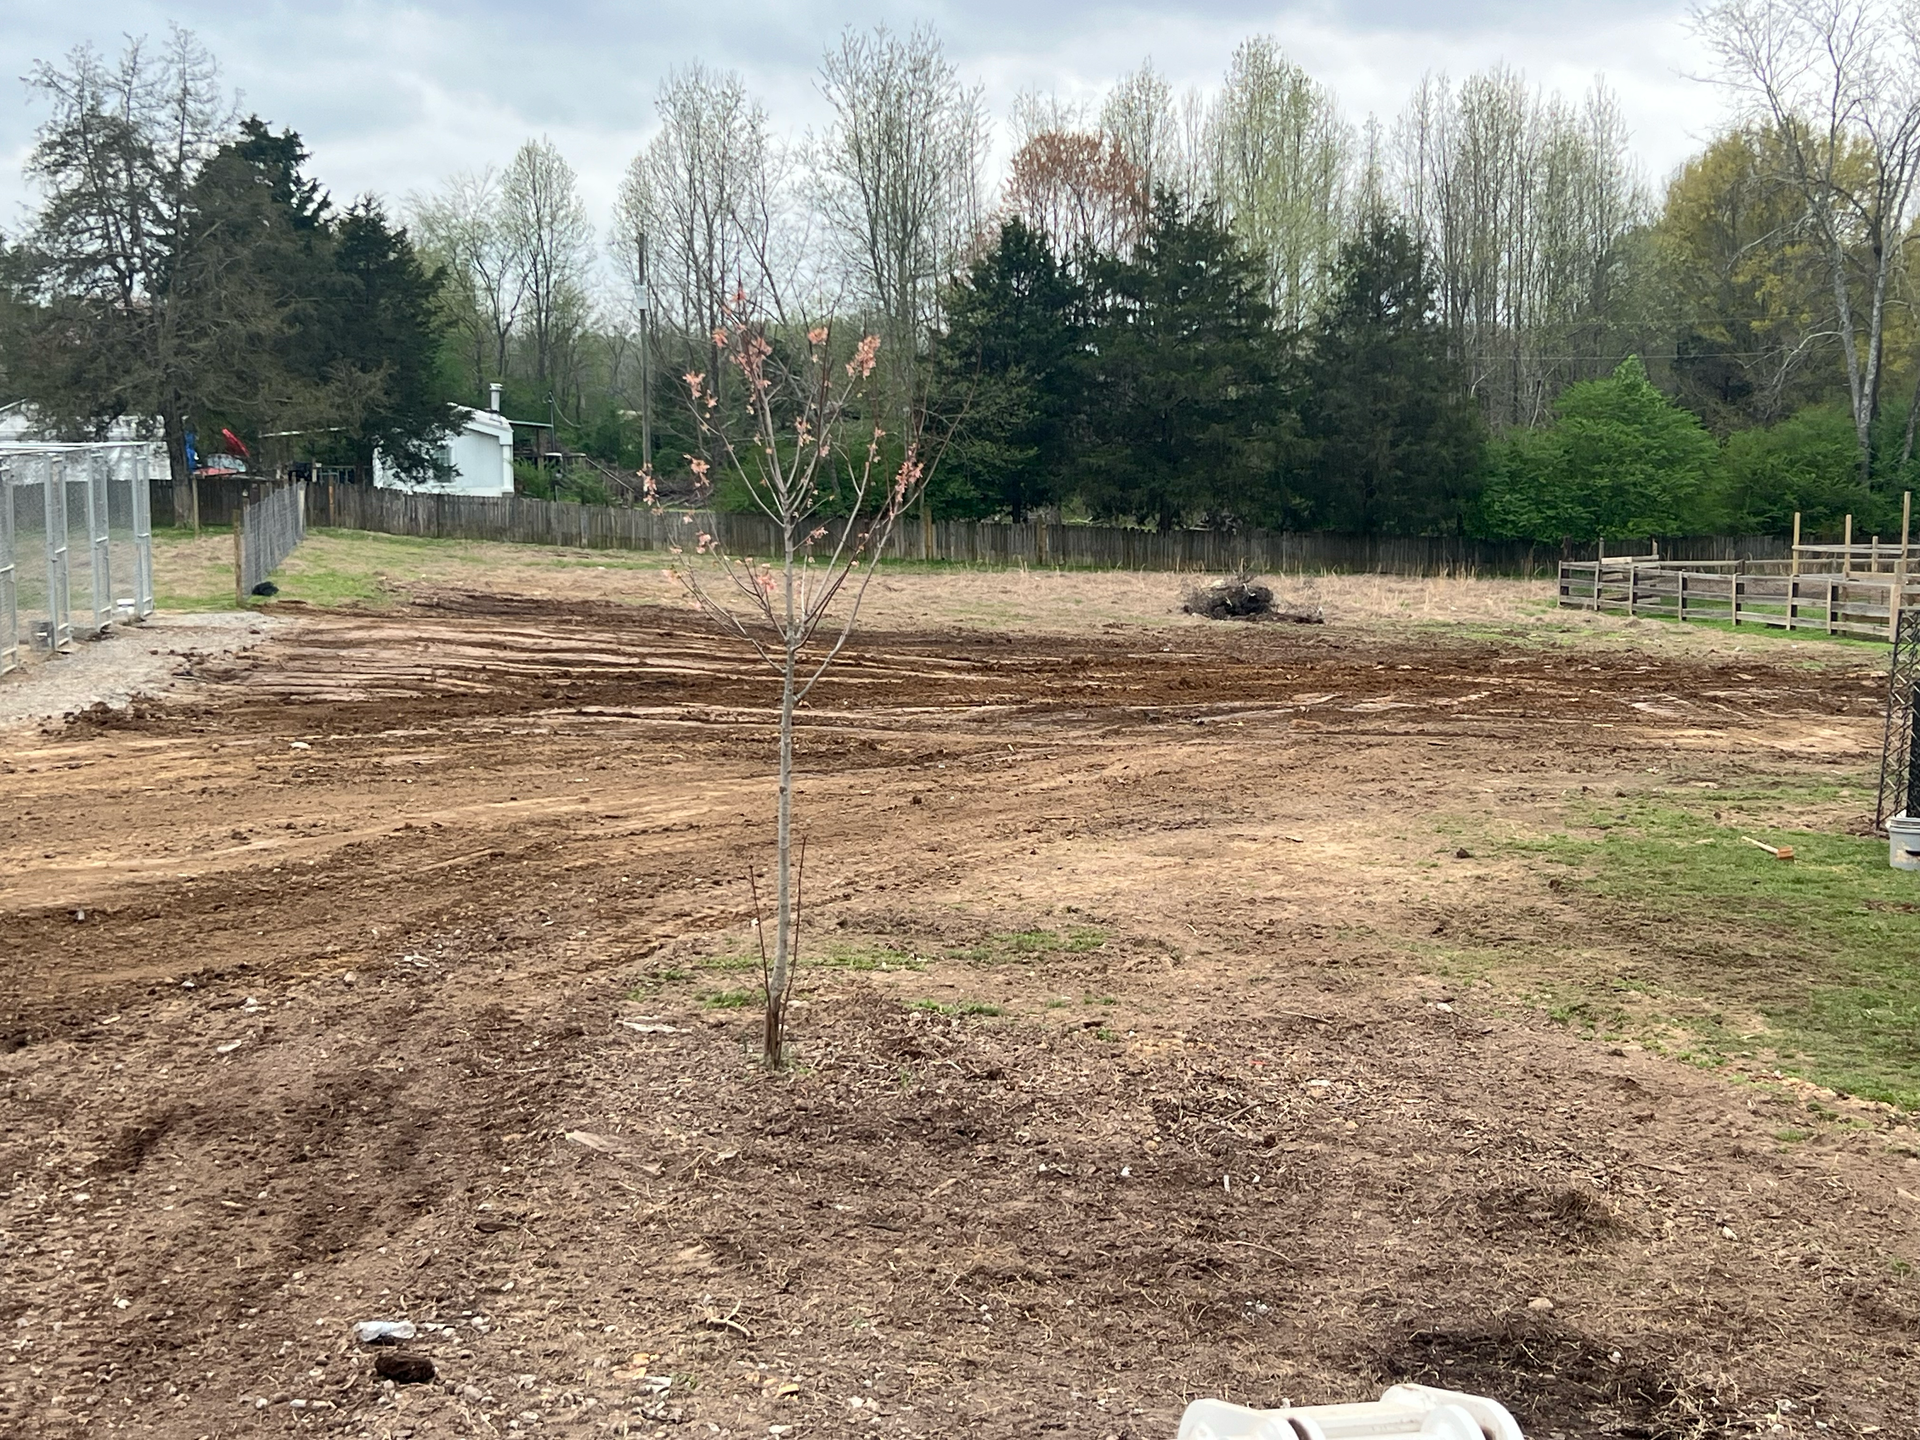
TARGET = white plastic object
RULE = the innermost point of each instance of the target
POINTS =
(383, 1332)
(1404, 1410)
(1903, 842)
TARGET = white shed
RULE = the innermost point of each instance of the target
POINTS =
(479, 456)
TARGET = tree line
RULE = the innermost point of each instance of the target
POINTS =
(1223, 307)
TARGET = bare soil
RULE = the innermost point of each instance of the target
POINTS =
(387, 970)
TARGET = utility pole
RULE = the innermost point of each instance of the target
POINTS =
(645, 302)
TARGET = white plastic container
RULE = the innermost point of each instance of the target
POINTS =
(1903, 842)
(1405, 1410)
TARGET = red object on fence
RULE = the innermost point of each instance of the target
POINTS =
(236, 443)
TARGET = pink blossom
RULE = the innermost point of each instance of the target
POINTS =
(694, 381)
(817, 335)
(863, 358)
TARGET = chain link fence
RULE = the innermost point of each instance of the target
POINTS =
(272, 523)
(1900, 750)
(76, 548)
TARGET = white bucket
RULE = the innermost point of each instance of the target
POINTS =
(1903, 842)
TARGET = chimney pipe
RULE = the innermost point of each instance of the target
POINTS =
(493, 396)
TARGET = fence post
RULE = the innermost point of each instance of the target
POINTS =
(1793, 567)
(240, 550)
(1733, 593)
(1846, 557)
(1897, 596)
(1680, 603)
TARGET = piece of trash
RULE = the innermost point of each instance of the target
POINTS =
(641, 1028)
(229, 1047)
(384, 1332)
(403, 1368)
(1779, 852)
(605, 1144)
(299, 745)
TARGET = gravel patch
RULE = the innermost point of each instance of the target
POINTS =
(134, 660)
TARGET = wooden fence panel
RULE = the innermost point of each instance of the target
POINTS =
(1836, 604)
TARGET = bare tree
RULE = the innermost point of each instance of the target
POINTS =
(117, 160)
(463, 226)
(1838, 81)
(546, 225)
(901, 165)
(803, 447)
(1279, 157)
(1162, 135)
(698, 213)
(1524, 203)
(1079, 190)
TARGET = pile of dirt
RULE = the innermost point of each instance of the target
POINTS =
(1241, 596)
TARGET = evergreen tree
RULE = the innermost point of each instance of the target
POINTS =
(1008, 377)
(1397, 441)
(383, 325)
(1185, 415)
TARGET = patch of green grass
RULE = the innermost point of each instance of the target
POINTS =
(1019, 947)
(839, 956)
(1104, 1033)
(958, 1007)
(1824, 950)
(865, 957)
(729, 999)
(1099, 1000)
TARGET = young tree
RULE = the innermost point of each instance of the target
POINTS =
(1008, 369)
(1185, 416)
(803, 454)
(1831, 78)
(1396, 439)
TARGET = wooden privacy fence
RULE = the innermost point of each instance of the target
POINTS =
(525, 520)
(1861, 603)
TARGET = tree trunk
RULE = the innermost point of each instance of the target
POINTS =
(780, 972)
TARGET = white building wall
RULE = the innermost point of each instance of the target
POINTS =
(480, 455)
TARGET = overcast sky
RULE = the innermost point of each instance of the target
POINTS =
(390, 97)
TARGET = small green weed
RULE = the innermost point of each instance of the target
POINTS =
(729, 999)
(1023, 946)
(958, 1007)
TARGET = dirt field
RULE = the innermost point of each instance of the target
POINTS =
(394, 968)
